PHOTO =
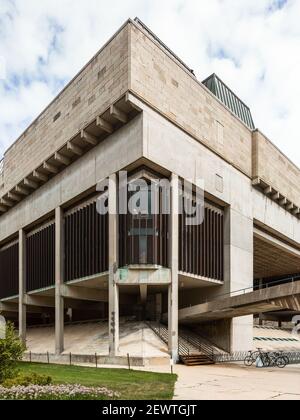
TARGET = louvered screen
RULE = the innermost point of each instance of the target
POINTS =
(40, 259)
(86, 243)
(9, 272)
(201, 247)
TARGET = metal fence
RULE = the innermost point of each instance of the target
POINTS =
(294, 357)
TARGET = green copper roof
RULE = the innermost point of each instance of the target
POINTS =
(222, 92)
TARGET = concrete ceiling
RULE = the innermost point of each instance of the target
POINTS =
(273, 261)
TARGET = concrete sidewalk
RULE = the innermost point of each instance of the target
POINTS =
(237, 382)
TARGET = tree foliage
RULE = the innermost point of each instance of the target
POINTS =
(11, 351)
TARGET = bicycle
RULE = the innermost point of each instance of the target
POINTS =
(278, 359)
(251, 358)
(267, 358)
(285, 356)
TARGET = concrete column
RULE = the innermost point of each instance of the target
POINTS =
(113, 304)
(238, 242)
(261, 322)
(158, 307)
(22, 285)
(59, 280)
(173, 288)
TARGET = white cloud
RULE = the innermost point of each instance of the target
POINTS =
(254, 46)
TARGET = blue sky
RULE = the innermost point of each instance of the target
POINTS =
(254, 46)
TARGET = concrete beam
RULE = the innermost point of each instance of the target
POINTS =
(5, 202)
(84, 293)
(260, 301)
(269, 239)
(74, 149)
(118, 114)
(89, 138)
(21, 190)
(276, 196)
(14, 197)
(296, 211)
(39, 301)
(132, 101)
(256, 182)
(9, 307)
(62, 159)
(143, 293)
(31, 184)
(39, 176)
(104, 125)
(290, 207)
(268, 190)
(51, 169)
(283, 202)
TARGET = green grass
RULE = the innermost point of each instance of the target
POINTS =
(131, 385)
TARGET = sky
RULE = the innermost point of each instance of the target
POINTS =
(254, 46)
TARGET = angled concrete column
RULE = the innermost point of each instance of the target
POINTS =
(59, 280)
(173, 288)
(113, 305)
(238, 249)
(22, 285)
(158, 307)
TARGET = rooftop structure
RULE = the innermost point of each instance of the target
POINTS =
(230, 99)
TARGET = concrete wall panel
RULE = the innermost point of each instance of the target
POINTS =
(118, 150)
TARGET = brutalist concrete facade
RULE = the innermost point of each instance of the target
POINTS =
(136, 105)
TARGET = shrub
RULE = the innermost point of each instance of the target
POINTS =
(11, 351)
(56, 392)
(26, 380)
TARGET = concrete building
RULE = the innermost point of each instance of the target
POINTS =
(137, 107)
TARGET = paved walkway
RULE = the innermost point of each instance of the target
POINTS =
(236, 382)
(233, 382)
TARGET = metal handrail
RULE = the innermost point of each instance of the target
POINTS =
(252, 289)
(198, 344)
(183, 349)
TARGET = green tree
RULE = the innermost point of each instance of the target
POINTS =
(11, 351)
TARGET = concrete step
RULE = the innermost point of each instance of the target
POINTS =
(196, 360)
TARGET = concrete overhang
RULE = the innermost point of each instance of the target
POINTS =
(274, 257)
(192, 281)
(275, 298)
(151, 275)
(94, 132)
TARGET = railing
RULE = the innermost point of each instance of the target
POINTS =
(188, 342)
(162, 332)
(1, 166)
(294, 357)
(247, 290)
(197, 345)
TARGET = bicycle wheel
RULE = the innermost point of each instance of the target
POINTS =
(287, 360)
(266, 361)
(248, 361)
(281, 362)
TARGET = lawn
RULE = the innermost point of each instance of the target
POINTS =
(131, 385)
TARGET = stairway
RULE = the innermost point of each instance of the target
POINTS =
(196, 360)
(193, 350)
